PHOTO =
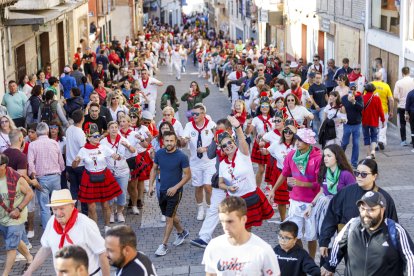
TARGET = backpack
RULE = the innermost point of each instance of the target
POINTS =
(392, 230)
(48, 112)
(327, 130)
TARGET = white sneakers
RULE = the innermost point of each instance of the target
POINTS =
(30, 234)
(120, 217)
(163, 218)
(135, 210)
(200, 212)
(112, 218)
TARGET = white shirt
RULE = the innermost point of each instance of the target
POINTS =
(260, 127)
(176, 57)
(299, 113)
(95, 159)
(401, 89)
(4, 142)
(75, 140)
(271, 137)
(62, 144)
(253, 258)
(331, 112)
(135, 142)
(118, 167)
(207, 135)
(279, 151)
(84, 233)
(115, 113)
(151, 89)
(241, 176)
(178, 127)
(232, 77)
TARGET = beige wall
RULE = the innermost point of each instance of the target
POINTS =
(347, 44)
(78, 22)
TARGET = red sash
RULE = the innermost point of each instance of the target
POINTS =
(64, 231)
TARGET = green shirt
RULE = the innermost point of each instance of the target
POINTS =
(15, 104)
(192, 101)
(164, 102)
(5, 220)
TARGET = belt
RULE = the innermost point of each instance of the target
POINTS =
(49, 174)
(95, 272)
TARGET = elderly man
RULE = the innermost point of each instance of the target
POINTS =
(68, 226)
(15, 101)
(46, 164)
(16, 194)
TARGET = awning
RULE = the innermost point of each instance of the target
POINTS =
(37, 17)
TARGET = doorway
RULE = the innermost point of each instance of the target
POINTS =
(20, 61)
(61, 46)
(44, 49)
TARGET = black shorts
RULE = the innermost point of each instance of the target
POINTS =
(87, 69)
(169, 204)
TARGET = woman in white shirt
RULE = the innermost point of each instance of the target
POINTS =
(296, 111)
(98, 183)
(6, 124)
(119, 168)
(336, 111)
(115, 104)
(236, 176)
(343, 85)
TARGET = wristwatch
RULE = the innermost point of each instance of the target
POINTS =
(20, 210)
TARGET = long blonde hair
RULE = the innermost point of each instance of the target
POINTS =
(11, 123)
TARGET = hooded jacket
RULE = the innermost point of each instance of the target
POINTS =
(296, 262)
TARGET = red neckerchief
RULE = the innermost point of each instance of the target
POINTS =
(12, 177)
(145, 83)
(161, 142)
(220, 154)
(287, 145)
(353, 77)
(232, 163)
(64, 231)
(117, 139)
(266, 122)
(125, 133)
(242, 118)
(277, 132)
(90, 146)
(297, 92)
(172, 121)
(206, 121)
(31, 85)
(239, 74)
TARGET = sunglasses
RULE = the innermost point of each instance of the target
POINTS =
(96, 136)
(133, 117)
(115, 98)
(277, 121)
(315, 59)
(260, 69)
(264, 106)
(357, 69)
(195, 114)
(287, 131)
(225, 145)
(362, 174)
(146, 122)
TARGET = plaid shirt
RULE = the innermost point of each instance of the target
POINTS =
(44, 157)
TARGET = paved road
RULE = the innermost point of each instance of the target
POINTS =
(395, 176)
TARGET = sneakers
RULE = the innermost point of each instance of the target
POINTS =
(162, 250)
(29, 246)
(404, 144)
(112, 218)
(199, 243)
(200, 213)
(120, 217)
(163, 218)
(381, 145)
(412, 150)
(135, 210)
(180, 238)
(30, 234)
(19, 257)
(107, 228)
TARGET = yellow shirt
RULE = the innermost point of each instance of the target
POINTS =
(384, 92)
(5, 220)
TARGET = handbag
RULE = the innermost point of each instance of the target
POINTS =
(252, 200)
(215, 180)
(96, 178)
(132, 163)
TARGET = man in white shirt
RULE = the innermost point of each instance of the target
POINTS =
(238, 252)
(401, 89)
(149, 87)
(75, 140)
(176, 62)
(233, 76)
(199, 133)
(67, 226)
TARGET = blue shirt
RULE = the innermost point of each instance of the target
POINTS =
(86, 91)
(68, 82)
(15, 104)
(171, 167)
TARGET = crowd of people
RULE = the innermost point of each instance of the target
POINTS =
(89, 136)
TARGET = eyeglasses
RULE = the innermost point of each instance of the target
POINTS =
(264, 106)
(368, 210)
(195, 114)
(225, 145)
(284, 238)
(362, 174)
(315, 59)
(287, 131)
(96, 136)
(3, 122)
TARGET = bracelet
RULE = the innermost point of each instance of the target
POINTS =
(20, 210)
(237, 127)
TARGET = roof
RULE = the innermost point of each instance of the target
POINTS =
(37, 17)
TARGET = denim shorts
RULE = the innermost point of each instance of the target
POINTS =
(12, 235)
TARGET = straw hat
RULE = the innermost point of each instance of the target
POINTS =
(60, 198)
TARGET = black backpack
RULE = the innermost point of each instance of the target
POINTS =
(327, 130)
(48, 112)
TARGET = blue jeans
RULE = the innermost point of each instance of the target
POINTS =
(355, 131)
(122, 181)
(12, 235)
(75, 177)
(370, 135)
(49, 183)
(317, 121)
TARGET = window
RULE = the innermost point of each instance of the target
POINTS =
(385, 15)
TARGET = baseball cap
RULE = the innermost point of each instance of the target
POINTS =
(147, 115)
(372, 199)
(67, 69)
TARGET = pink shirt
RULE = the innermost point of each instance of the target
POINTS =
(44, 157)
(304, 194)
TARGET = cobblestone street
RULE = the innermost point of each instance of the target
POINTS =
(395, 175)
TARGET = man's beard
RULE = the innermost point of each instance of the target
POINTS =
(118, 263)
(371, 222)
(293, 86)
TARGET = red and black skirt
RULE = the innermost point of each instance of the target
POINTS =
(257, 157)
(281, 194)
(261, 210)
(143, 167)
(91, 192)
(271, 167)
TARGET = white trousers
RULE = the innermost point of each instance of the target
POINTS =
(177, 68)
(382, 133)
(212, 217)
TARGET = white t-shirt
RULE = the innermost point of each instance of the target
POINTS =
(151, 89)
(84, 233)
(95, 159)
(178, 127)
(4, 142)
(241, 176)
(115, 113)
(232, 77)
(271, 137)
(175, 57)
(279, 152)
(299, 113)
(207, 135)
(331, 112)
(75, 140)
(259, 125)
(118, 167)
(255, 257)
(135, 142)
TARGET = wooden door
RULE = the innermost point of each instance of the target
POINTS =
(20, 62)
(304, 42)
(61, 46)
(321, 45)
(44, 49)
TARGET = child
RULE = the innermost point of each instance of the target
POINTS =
(293, 259)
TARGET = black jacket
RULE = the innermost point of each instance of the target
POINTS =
(370, 254)
(296, 262)
(342, 208)
(73, 104)
(139, 266)
(353, 111)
